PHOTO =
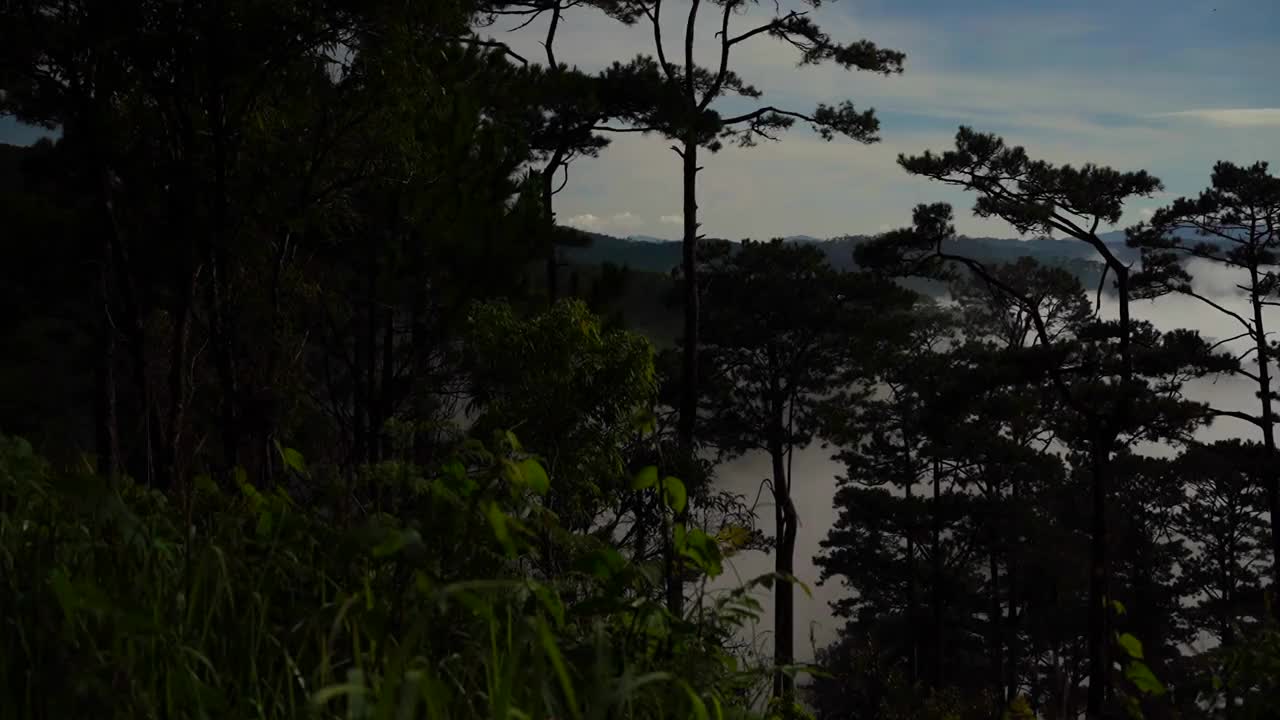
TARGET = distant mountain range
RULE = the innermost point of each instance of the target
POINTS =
(649, 254)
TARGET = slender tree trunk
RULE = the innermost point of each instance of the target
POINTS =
(134, 325)
(388, 402)
(994, 640)
(107, 441)
(359, 403)
(936, 560)
(549, 172)
(1268, 437)
(784, 613)
(1011, 581)
(553, 263)
(174, 449)
(370, 341)
(549, 223)
(689, 383)
(1103, 441)
(219, 261)
(1099, 612)
(689, 386)
(913, 590)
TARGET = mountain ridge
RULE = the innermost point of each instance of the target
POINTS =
(648, 254)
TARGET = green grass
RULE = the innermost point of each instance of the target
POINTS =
(230, 602)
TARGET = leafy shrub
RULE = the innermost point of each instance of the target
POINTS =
(230, 602)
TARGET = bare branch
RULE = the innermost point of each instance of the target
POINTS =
(655, 18)
(506, 49)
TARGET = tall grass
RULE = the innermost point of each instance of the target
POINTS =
(228, 602)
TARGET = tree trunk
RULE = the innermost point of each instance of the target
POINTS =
(1011, 582)
(689, 374)
(1104, 437)
(1268, 437)
(936, 562)
(913, 591)
(1099, 612)
(784, 613)
(134, 326)
(370, 341)
(549, 219)
(107, 425)
(219, 261)
(994, 639)
(388, 401)
(174, 451)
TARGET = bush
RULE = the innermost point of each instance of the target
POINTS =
(231, 602)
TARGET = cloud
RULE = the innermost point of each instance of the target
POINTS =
(625, 220)
(1058, 93)
(1147, 213)
(671, 219)
(585, 221)
(1231, 117)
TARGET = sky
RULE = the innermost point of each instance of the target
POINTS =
(1169, 86)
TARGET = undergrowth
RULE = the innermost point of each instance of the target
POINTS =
(226, 601)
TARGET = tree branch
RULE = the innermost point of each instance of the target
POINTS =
(506, 49)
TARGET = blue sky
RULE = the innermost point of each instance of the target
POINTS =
(1167, 86)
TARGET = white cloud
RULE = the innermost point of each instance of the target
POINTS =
(1147, 213)
(585, 221)
(1232, 117)
(625, 221)
(671, 219)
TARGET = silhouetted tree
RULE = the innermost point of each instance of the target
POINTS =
(1119, 379)
(779, 319)
(1234, 224)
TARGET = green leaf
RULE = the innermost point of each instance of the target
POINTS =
(292, 459)
(733, 537)
(498, 521)
(396, 541)
(535, 476)
(1118, 606)
(646, 422)
(557, 662)
(266, 521)
(699, 707)
(550, 601)
(1131, 645)
(603, 563)
(1142, 678)
(454, 470)
(702, 549)
(205, 485)
(674, 493)
(646, 478)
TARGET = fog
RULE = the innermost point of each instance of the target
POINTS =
(814, 472)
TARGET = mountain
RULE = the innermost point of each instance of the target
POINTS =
(638, 253)
(654, 255)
